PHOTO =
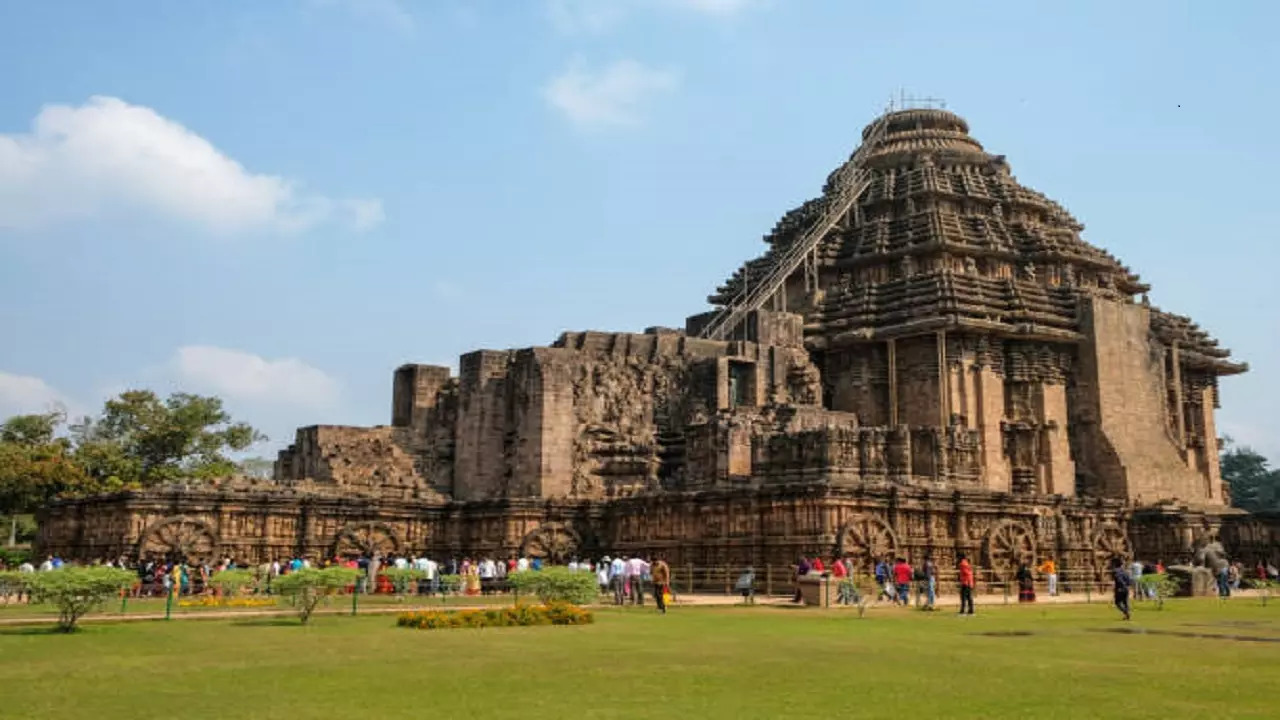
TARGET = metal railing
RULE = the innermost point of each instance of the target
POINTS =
(851, 181)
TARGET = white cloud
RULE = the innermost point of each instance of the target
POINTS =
(251, 379)
(586, 16)
(612, 96)
(25, 395)
(393, 13)
(107, 155)
(598, 16)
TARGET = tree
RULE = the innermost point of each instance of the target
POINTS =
(258, 467)
(306, 588)
(35, 466)
(141, 440)
(1160, 586)
(1254, 486)
(75, 591)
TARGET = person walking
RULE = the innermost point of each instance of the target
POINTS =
(661, 574)
(617, 578)
(1050, 570)
(1123, 583)
(930, 582)
(902, 582)
(966, 585)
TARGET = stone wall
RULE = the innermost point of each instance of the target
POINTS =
(1125, 444)
(771, 525)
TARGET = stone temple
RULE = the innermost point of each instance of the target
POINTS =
(927, 358)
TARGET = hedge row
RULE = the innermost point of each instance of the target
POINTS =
(520, 615)
(211, 601)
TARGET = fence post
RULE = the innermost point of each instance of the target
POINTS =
(689, 569)
(727, 585)
(124, 601)
(1088, 590)
(168, 606)
(355, 597)
(1005, 583)
(768, 580)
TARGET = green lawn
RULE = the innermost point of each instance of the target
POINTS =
(156, 605)
(698, 662)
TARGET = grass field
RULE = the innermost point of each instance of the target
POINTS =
(156, 606)
(762, 662)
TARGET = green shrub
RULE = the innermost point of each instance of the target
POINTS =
(516, 616)
(230, 583)
(13, 557)
(75, 591)
(1265, 588)
(557, 584)
(1162, 585)
(12, 583)
(404, 579)
(450, 584)
(306, 588)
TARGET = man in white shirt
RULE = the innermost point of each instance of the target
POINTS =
(636, 571)
(617, 576)
(522, 564)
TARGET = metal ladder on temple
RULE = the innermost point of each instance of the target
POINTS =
(847, 191)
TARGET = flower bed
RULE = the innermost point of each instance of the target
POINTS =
(518, 615)
(210, 601)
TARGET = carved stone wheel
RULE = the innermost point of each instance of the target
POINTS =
(364, 539)
(1008, 545)
(1108, 542)
(179, 538)
(554, 543)
(865, 539)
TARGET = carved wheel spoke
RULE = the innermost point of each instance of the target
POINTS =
(1008, 546)
(866, 540)
(180, 536)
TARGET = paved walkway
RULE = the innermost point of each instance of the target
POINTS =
(980, 600)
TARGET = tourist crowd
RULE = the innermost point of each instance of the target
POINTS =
(625, 579)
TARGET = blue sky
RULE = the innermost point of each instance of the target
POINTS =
(281, 201)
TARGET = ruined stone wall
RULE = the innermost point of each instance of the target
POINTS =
(605, 415)
(356, 460)
(1124, 443)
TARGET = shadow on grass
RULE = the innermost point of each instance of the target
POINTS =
(267, 622)
(33, 629)
(1175, 633)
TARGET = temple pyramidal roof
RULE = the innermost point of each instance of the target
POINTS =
(944, 237)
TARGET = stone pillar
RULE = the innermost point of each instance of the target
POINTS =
(944, 386)
(414, 392)
(480, 460)
(1060, 471)
(990, 411)
(1212, 470)
(1180, 419)
(893, 382)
